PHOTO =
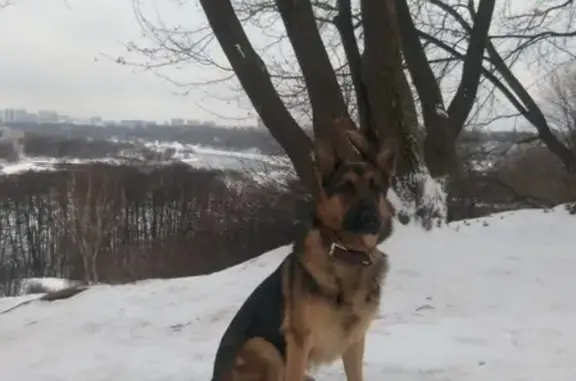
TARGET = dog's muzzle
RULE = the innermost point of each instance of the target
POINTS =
(363, 218)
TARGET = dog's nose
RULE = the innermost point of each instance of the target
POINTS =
(362, 218)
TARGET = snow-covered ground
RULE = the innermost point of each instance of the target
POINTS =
(489, 299)
(191, 154)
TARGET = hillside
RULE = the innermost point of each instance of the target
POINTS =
(486, 299)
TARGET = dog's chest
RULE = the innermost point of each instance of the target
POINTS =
(342, 320)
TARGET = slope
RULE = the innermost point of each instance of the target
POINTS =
(486, 299)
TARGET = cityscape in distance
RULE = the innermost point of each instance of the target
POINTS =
(22, 115)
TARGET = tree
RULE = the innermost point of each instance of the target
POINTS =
(533, 33)
(538, 34)
(384, 100)
(92, 217)
(560, 100)
(385, 103)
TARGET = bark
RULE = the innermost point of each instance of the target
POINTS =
(389, 97)
(438, 154)
(323, 89)
(329, 110)
(343, 22)
(462, 103)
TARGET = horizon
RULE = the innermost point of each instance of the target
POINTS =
(66, 55)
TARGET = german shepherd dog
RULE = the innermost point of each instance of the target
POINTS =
(318, 304)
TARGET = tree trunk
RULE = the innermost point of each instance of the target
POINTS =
(394, 112)
(444, 125)
(255, 79)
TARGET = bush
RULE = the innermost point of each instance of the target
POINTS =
(527, 177)
(106, 223)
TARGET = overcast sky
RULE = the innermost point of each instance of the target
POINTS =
(52, 57)
(48, 51)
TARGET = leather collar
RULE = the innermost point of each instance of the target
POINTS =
(338, 252)
(350, 257)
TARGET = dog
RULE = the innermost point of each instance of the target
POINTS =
(318, 304)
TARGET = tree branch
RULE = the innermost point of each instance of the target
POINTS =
(485, 72)
(529, 109)
(463, 100)
(418, 64)
(323, 88)
(438, 143)
(255, 80)
(389, 95)
(343, 22)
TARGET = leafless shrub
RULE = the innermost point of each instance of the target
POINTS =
(560, 96)
(105, 223)
(536, 173)
(523, 176)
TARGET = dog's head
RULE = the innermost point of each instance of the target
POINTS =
(352, 199)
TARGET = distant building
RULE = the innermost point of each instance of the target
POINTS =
(177, 122)
(133, 123)
(30, 117)
(47, 116)
(65, 119)
(15, 115)
(96, 121)
(82, 121)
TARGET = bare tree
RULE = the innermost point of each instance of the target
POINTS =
(533, 32)
(540, 33)
(560, 107)
(91, 218)
(383, 96)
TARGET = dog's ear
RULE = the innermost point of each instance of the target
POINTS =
(324, 156)
(387, 156)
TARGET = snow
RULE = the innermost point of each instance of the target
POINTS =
(47, 284)
(441, 111)
(478, 300)
(431, 197)
(23, 166)
(190, 154)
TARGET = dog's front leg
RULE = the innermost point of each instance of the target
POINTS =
(297, 353)
(353, 358)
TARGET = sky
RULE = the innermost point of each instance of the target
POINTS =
(58, 55)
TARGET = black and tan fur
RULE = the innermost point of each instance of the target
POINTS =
(317, 306)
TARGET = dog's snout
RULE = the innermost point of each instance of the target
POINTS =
(363, 218)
